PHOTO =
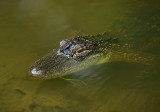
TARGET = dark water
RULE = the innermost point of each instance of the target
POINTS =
(31, 28)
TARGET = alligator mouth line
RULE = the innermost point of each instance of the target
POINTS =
(53, 65)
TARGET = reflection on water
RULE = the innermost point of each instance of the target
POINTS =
(30, 29)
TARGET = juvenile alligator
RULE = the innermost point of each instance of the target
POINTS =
(81, 52)
(73, 55)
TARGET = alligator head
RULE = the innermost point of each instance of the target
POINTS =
(72, 55)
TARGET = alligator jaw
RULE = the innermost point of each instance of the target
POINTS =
(54, 66)
(51, 65)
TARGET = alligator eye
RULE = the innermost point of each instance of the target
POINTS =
(36, 72)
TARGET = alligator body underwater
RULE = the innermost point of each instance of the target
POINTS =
(73, 55)
(80, 53)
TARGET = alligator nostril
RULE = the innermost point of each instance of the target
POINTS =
(35, 71)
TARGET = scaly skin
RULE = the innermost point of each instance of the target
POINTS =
(53, 65)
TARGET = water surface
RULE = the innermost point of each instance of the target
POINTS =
(31, 28)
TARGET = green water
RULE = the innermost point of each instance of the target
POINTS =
(31, 28)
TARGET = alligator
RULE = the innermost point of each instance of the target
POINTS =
(133, 37)
(78, 53)
(72, 55)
